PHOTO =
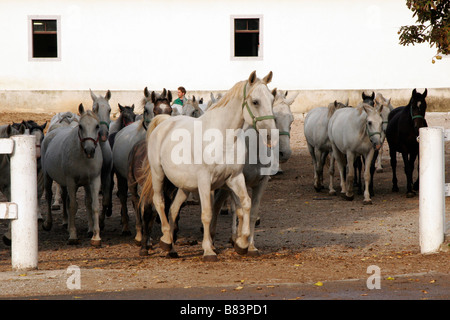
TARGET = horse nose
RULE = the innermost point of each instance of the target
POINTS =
(89, 151)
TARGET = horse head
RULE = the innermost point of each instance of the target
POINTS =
(283, 120)
(257, 106)
(88, 131)
(368, 99)
(387, 108)
(162, 102)
(374, 124)
(102, 109)
(127, 115)
(191, 108)
(418, 107)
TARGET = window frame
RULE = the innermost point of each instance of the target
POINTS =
(31, 18)
(232, 37)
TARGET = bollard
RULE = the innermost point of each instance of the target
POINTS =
(431, 189)
(24, 229)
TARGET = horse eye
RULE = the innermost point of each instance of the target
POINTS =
(97, 127)
(369, 123)
(255, 102)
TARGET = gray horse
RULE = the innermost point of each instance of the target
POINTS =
(102, 109)
(72, 157)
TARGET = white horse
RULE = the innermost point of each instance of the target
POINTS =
(387, 108)
(319, 146)
(248, 101)
(355, 132)
(254, 177)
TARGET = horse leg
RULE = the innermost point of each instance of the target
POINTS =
(158, 201)
(368, 172)
(56, 202)
(314, 161)
(257, 193)
(179, 199)
(350, 176)
(66, 204)
(416, 183)
(357, 165)
(378, 165)
(73, 207)
(408, 173)
(237, 184)
(340, 159)
(122, 193)
(393, 155)
(322, 160)
(372, 171)
(332, 191)
(220, 197)
(47, 225)
(148, 217)
(94, 189)
(204, 192)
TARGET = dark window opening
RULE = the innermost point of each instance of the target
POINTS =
(45, 41)
(246, 37)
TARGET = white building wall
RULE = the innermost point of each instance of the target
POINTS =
(127, 45)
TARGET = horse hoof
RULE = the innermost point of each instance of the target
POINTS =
(240, 250)
(73, 242)
(258, 222)
(367, 202)
(137, 243)
(96, 243)
(172, 255)
(126, 233)
(143, 253)
(165, 246)
(379, 170)
(395, 189)
(318, 188)
(210, 258)
(348, 198)
(253, 253)
(56, 207)
(410, 194)
(224, 212)
(332, 193)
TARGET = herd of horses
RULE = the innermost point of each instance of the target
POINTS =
(90, 150)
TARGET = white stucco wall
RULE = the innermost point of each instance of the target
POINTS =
(127, 45)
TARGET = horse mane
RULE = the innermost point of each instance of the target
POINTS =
(147, 187)
(235, 92)
(89, 113)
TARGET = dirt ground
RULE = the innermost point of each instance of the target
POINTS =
(304, 237)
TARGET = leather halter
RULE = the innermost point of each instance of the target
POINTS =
(82, 140)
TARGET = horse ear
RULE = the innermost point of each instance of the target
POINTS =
(252, 78)
(274, 92)
(267, 79)
(9, 130)
(108, 95)
(169, 96)
(163, 94)
(373, 95)
(132, 107)
(44, 125)
(193, 98)
(286, 93)
(414, 92)
(153, 97)
(425, 93)
(120, 107)
(93, 96)
(80, 109)
(146, 93)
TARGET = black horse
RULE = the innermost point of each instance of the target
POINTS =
(401, 133)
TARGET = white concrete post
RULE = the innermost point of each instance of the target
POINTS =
(24, 229)
(432, 192)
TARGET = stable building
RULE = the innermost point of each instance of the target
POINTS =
(54, 51)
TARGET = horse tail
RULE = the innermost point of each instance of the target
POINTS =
(147, 187)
